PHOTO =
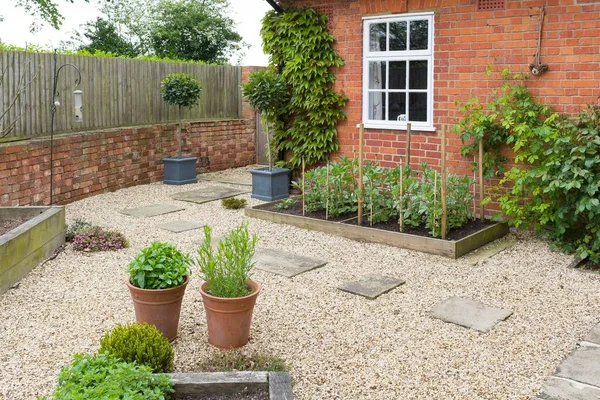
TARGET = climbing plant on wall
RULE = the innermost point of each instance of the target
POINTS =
(300, 47)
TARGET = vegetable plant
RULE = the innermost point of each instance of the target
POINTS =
(159, 266)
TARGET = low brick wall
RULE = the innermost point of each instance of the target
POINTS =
(90, 163)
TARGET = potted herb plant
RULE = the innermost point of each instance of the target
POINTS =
(265, 91)
(181, 90)
(228, 293)
(158, 276)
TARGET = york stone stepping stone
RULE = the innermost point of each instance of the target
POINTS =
(205, 195)
(180, 226)
(594, 335)
(284, 263)
(561, 389)
(371, 286)
(469, 313)
(582, 365)
(152, 210)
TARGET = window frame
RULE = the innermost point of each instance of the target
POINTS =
(400, 55)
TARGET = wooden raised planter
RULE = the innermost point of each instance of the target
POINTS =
(448, 248)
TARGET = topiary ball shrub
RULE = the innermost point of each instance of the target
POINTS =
(76, 228)
(141, 343)
(233, 203)
(99, 239)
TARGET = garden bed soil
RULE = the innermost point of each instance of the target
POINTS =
(7, 225)
(252, 394)
(589, 266)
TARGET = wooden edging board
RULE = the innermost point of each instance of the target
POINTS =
(278, 384)
(447, 248)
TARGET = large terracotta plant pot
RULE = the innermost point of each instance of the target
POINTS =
(229, 319)
(159, 307)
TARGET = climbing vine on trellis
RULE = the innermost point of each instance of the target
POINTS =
(300, 47)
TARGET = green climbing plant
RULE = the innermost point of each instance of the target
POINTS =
(300, 48)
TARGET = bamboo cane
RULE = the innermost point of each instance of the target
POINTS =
(408, 128)
(361, 136)
(327, 193)
(481, 187)
(401, 219)
(434, 198)
(444, 183)
(474, 191)
(303, 190)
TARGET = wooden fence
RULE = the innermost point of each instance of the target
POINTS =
(116, 92)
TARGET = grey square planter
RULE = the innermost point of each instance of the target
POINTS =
(270, 185)
(180, 170)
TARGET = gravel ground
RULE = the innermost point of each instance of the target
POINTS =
(340, 346)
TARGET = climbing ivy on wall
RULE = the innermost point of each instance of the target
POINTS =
(300, 48)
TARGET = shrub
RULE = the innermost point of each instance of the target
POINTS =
(234, 204)
(240, 360)
(159, 266)
(76, 228)
(99, 239)
(140, 343)
(103, 376)
(227, 269)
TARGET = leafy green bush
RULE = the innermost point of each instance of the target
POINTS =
(140, 343)
(227, 269)
(234, 204)
(159, 266)
(103, 376)
(98, 239)
(75, 228)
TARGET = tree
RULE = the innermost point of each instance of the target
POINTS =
(194, 30)
(131, 19)
(102, 35)
(46, 10)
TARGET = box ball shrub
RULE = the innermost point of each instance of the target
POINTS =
(140, 343)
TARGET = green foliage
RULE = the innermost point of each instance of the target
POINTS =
(46, 10)
(103, 376)
(286, 203)
(140, 343)
(227, 268)
(234, 204)
(181, 90)
(102, 35)
(193, 30)
(240, 360)
(266, 91)
(76, 228)
(301, 48)
(96, 238)
(159, 266)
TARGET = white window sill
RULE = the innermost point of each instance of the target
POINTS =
(414, 128)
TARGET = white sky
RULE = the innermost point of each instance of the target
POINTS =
(15, 28)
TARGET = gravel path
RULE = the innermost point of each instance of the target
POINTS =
(340, 346)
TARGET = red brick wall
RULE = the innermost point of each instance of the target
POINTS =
(90, 163)
(466, 42)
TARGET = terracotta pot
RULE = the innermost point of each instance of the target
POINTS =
(229, 319)
(159, 307)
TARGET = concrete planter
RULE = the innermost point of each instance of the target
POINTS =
(270, 185)
(180, 170)
(24, 247)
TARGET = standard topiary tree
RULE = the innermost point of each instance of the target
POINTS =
(181, 90)
(266, 91)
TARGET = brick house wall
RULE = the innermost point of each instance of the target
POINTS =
(466, 41)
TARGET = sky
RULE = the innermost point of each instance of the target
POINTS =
(15, 28)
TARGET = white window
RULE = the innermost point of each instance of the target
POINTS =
(398, 72)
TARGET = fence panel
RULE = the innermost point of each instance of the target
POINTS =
(116, 92)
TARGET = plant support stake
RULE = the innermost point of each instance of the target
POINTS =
(327, 191)
(401, 219)
(474, 191)
(481, 189)
(434, 198)
(303, 189)
(361, 136)
(444, 175)
(408, 128)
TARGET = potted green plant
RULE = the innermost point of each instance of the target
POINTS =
(265, 91)
(158, 276)
(227, 292)
(181, 90)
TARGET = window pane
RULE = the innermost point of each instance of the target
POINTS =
(417, 75)
(377, 74)
(417, 107)
(377, 37)
(397, 107)
(419, 31)
(377, 106)
(398, 36)
(398, 74)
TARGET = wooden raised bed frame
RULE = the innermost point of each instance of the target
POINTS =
(448, 248)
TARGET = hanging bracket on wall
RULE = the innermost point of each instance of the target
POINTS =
(537, 68)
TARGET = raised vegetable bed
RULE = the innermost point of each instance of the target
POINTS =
(23, 247)
(344, 228)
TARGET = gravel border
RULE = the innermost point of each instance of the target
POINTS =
(339, 346)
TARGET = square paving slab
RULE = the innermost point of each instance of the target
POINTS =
(284, 263)
(151, 211)
(582, 365)
(205, 195)
(594, 335)
(469, 313)
(180, 226)
(371, 286)
(561, 389)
